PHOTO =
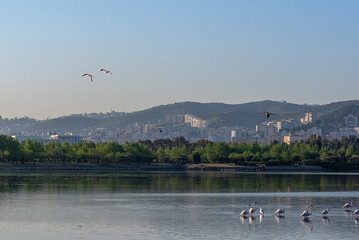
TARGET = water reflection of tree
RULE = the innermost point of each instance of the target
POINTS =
(179, 182)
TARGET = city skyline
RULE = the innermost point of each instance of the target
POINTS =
(164, 52)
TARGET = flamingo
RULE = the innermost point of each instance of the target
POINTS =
(348, 205)
(261, 212)
(307, 212)
(252, 210)
(105, 71)
(245, 212)
(88, 75)
(326, 211)
(279, 211)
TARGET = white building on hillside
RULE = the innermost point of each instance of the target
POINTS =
(308, 118)
(194, 121)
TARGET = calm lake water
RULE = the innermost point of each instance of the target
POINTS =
(176, 206)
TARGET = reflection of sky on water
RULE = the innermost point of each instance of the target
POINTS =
(98, 214)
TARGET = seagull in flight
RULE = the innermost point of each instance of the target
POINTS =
(105, 71)
(88, 75)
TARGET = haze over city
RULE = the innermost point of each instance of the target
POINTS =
(162, 52)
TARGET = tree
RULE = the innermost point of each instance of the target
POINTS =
(196, 158)
(138, 152)
(161, 156)
(34, 150)
(57, 153)
(222, 149)
(14, 150)
(180, 142)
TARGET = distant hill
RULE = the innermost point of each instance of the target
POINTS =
(204, 110)
(333, 120)
(250, 119)
(245, 114)
(64, 124)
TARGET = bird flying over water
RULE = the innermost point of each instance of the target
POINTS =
(105, 71)
(161, 130)
(88, 75)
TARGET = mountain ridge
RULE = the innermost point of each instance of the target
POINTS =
(220, 114)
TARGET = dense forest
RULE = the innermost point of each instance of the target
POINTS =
(313, 151)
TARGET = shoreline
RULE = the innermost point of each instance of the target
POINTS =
(113, 168)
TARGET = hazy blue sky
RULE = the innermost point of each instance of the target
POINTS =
(168, 51)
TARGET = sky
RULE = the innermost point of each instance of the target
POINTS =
(161, 52)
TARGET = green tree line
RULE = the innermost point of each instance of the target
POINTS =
(313, 151)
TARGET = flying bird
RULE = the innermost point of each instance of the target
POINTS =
(161, 130)
(105, 71)
(88, 75)
(268, 114)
